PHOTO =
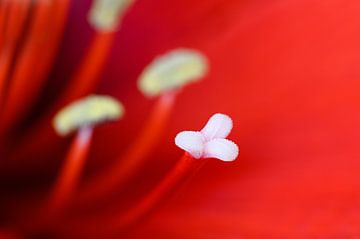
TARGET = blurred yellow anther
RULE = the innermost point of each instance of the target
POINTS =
(172, 71)
(106, 15)
(88, 111)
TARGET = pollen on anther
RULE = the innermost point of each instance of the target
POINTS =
(106, 15)
(172, 71)
(88, 111)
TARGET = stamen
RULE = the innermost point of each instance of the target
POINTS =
(178, 67)
(128, 164)
(172, 71)
(83, 83)
(106, 15)
(82, 115)
(91, 110)
(196, 142)
(88, 73)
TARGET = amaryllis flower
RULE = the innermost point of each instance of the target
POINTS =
(286, 72)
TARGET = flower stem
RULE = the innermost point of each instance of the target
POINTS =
(129, 163)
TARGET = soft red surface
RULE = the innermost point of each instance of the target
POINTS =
(288, 74)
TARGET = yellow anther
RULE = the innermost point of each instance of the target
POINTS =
(106, 15)
(171, 71)
(88, 111)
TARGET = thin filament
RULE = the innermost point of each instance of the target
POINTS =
(125, 223)
(128, 164)
(83, 82)
(70, 173)
(170, 184)
(87, 75)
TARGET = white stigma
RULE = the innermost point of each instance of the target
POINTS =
(211, 141)
(218, 126)
(192, 142)
(87, 112)
(106, 15)
(172, 71)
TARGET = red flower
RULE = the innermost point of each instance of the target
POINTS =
(287, 73)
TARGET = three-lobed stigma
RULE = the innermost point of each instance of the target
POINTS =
(211, 141)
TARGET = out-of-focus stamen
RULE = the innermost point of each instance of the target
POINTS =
(106, 15)
(163, 77)
(198, 145)
(83, 82)
(70, 173)
(81, 115)
(90, 110)
(172, 71)
(126, 165)
(88, 73)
